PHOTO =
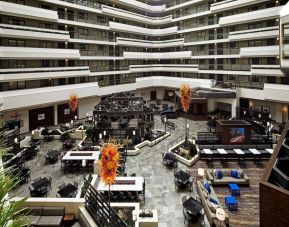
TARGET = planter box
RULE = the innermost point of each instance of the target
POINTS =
(183, 160)
(149, 221)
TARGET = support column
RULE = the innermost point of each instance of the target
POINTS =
(55, 115)
(278, 114)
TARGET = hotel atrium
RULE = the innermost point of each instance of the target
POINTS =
(191, 96)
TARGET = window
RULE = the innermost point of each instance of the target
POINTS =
(16, 43)
(271, 79)
(271, 42)
(255, 61)
(271, 61)
(82, 16)
(47, 26)
(16, 22)
(233, 61)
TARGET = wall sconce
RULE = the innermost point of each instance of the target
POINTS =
(16, 140)
(100, 136)
(104, 133)
(133, 132)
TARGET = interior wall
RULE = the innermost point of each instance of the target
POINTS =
(24, 118)
(87, 105)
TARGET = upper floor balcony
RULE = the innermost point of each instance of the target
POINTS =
(24, 32)
(232, 4)
(128, 15)
(12, 9)
(266, 70)
(258, 15)
(164, 68)
(149, 44)
(141, 30)
(18, 74)
(143, 6)
(37, 53)
(261, 51)
(276, 92)
(284, 38)
(157, 55)
(260, 33)
(38, 96)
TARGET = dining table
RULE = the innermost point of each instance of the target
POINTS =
(67, 191)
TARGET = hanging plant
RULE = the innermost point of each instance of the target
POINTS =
(109, 163)
(73, 103)
(186, 93)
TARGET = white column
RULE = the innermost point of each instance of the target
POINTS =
(278, 113)
(55, 115)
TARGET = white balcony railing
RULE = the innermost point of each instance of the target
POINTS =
(24, 32)
(258, 15)
(162, 55)
(149, 44)
(42, 73)
(233, 4)
(141, 30)
(12, 9)
(37, 53)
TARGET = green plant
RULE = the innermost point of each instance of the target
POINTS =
(10, 211)
(188, 157)
(64, 136)
(86, 185)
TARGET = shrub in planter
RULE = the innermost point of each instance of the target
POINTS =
(188, 157)
(65, 136)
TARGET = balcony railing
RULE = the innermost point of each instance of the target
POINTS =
(90, 4)
(225, 67)
(100, 53)
(104, 83)
(83, 19)
(108, 68)
(239, 84)
(94, 37)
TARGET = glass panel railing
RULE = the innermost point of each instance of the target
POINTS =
(82, 18)
(91, 4)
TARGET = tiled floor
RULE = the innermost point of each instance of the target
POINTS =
(160, 189)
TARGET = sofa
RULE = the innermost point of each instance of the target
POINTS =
(208, 207)
(44, 216)
(226, 177)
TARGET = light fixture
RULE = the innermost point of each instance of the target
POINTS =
(188, 125)
(100, 136)
(104, 133)
(270, 116)
(170, 93)
(75, 117)
(244, 112)
(259, 115)
(16, 140)
(133, 132)
(165, 119)
(71, 122)
(83, 164)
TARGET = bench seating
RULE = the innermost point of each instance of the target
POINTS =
(227, 178)
(208, 207)
(45, 216)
